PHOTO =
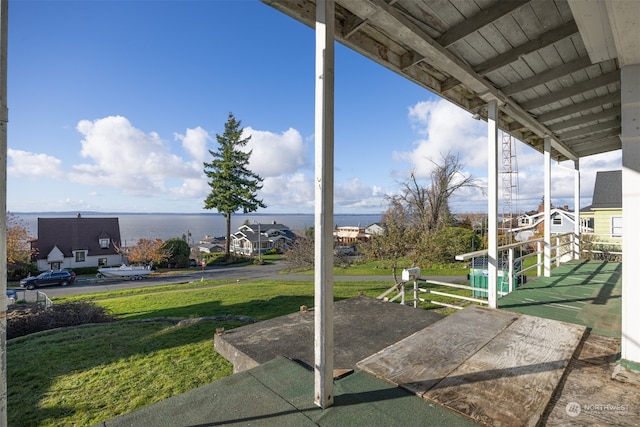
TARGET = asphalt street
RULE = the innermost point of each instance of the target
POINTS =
(271, 271)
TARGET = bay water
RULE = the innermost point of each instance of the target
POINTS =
(194, 227)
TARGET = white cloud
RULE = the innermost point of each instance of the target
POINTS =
(33, 166)
(292, 193)
(194, 142)
(275, 154)
(446, 128)
(126, 158)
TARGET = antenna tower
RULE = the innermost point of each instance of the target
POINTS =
(509, 186)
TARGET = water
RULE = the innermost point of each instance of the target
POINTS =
(166, 226)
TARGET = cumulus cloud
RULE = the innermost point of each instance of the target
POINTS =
(291, 193)
(275, 154)
(194, 142)
(446, 128)
(125, 157)
(33, 166)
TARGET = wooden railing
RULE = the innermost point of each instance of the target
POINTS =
(512, 273)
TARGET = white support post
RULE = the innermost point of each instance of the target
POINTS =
(492, 184)
(511, 269)
(324, 152)
(539, 258)
(576, 209)
(547, 206)
(4, 118)
(630, 108)
(415, 294)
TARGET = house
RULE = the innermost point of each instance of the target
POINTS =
(374, 229)
(210, 245)
(250, 237)
(532, 223)
(604, 215)
(76, 242)
(349, 235)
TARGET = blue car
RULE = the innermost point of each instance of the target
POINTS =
(49, 278)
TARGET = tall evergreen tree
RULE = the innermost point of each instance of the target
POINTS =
(233, 185)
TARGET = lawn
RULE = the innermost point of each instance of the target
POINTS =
(84, 375)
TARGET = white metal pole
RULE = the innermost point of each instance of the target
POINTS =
(630, 82)
(576, 209)
(547, 206)
(492, 226)
(324, 151)
(4, 118)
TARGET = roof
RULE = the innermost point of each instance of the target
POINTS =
(256, 232)
(77, 233)
(552, 66)
(607, 191)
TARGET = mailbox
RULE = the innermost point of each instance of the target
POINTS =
(409, 274)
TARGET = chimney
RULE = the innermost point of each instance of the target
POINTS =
(566, 207)
(541, 207)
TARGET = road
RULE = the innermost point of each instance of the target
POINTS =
(271, 271)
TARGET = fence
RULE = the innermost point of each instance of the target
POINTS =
(43, 299)
(513, 258)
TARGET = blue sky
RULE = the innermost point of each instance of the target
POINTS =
(114, 104)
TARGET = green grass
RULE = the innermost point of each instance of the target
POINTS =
(86, 375)
(89, 374)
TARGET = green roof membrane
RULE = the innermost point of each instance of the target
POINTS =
(583, 292)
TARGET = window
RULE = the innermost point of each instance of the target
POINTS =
(80, 256)
(104, 243)
(557, 220)
(616, 226)
(102, 262)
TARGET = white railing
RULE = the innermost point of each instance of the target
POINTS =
(43, 299)
(413, 296)
(511, 273)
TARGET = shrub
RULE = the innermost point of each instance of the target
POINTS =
(26, 319)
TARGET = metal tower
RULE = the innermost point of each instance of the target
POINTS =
(509, 186)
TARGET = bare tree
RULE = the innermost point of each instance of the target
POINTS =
(430, 205)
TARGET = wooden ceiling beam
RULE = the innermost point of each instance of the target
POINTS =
(546, 39)
(587, 118)
(573, 90)
(590, 130)
(478, 21)
(547, 76)
(598, 101)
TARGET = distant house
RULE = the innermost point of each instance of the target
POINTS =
(532, 223)
(76, 242)
(251, 239)
(209, 245)
(374, 229)
(604, 215)
(349, 235)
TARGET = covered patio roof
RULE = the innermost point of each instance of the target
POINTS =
(552, 65)
(563, 76)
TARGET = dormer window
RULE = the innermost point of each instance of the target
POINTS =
(104, 243)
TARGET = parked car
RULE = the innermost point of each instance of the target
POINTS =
(49, 278)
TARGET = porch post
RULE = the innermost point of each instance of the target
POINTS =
(547, 206)
(576, 209)
(630, 108)
(492, 184)
(4, 118)
(324, 109)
